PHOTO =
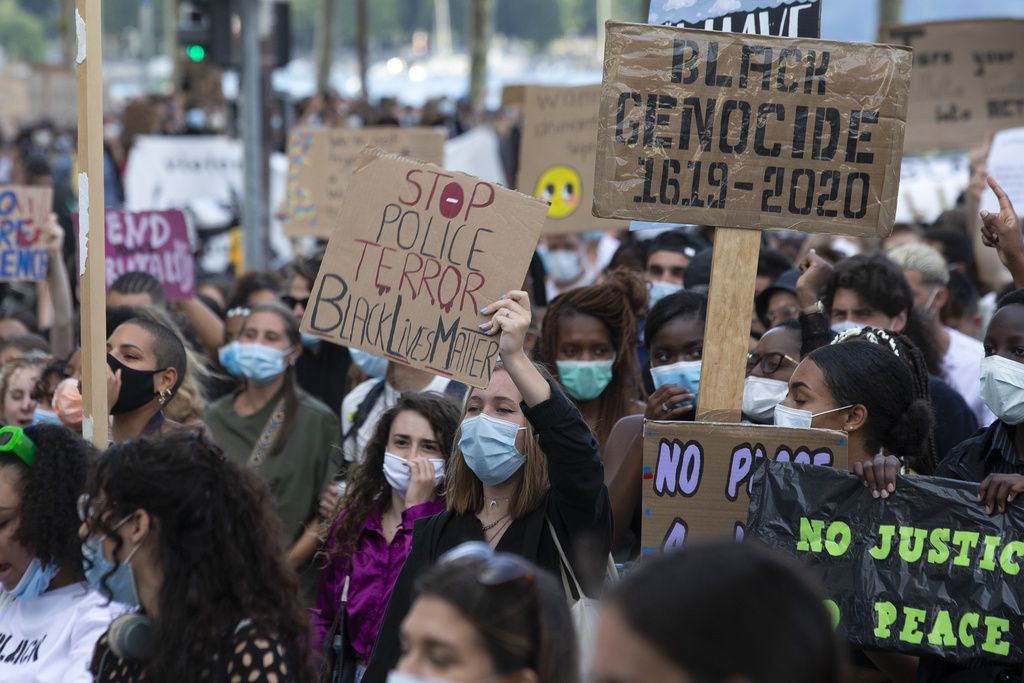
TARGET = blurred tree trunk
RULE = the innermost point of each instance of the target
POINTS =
(324, 45)
(889, 12)
(171, 40)
(66, 30)
(479, 25)
(362, 44)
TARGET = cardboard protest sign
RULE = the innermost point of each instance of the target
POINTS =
(23, 214)
(1006, 165)
(923, 572)
(750, 131)
(761, 17)
(168, 172)
(696, 476)
(966, 81)
(155, 242)
(15, 102)
(930, 185)
(416, 253)
(557, 153)
(321, 161)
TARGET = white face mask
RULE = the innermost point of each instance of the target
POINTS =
(399, 476)
(564, 266)
(1002, 388)
(761, 395)
(839, 328)
(797, 418)
(399, 677)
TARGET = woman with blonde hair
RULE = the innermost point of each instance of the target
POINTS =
(18, 378)
(525, 478)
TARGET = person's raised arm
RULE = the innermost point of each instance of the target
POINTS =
(56, 293)
(207, 325)
(1001, 231)
(511, 316)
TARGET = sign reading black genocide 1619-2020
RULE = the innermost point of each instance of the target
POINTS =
(750, 131)
(925, 571)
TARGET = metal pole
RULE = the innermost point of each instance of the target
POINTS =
(253, 215)
(147, 37)
(324, 45)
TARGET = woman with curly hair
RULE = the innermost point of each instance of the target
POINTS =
(387, 492)
(50, 618)
(172, 526)
(18, 379)
(589, 345)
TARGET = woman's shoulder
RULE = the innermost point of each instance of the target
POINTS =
(260, 655)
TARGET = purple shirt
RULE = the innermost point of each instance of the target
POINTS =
(375, 567)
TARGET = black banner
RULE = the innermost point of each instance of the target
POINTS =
(792, 19)
(925, 571)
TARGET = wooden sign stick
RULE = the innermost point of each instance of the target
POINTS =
(91, 248)
(727, 330)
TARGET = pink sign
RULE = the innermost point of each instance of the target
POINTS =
(154, 242)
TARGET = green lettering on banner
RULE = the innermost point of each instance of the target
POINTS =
(833, 611)
(912, 553)
(942, 631)
(940, 551)
(913, 618)
(886, 617)
(970, 619)
(810, 535)
(988, 560)
(966, 540)
(840, 531)
(995, 628)
(1006, 559)
(886, 531)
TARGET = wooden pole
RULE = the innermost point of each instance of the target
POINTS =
(91, 261)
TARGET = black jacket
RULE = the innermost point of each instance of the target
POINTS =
(577, 505)
(967, 460)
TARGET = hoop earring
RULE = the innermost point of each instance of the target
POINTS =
(165, 396)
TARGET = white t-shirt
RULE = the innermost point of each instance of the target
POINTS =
(962, 365)
(387, 399)
(51, 639)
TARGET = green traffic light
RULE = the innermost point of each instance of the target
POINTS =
(196, 53)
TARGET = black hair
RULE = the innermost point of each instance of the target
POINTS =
(963, 297)
(48, 520)
(677, 241)
(898, 420)
(956, 246)
(249, 284)
(876, 279)
(1012, 298)
(771, 263)
(167, 348)
(731, 610)
(219, 549)
(681, 304)
(522, 624)
(789, 324)
(139, 282)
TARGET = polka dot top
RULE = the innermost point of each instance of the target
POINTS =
(256, 658)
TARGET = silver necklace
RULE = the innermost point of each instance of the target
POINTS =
(492, 524)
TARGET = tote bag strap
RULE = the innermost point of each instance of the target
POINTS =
(564, 564)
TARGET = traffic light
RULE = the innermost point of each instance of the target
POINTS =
(204, 30)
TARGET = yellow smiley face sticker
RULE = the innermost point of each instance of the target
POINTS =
(559, 185)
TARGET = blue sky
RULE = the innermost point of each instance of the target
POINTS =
(857, 20)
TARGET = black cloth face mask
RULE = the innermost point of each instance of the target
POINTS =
(137, 387)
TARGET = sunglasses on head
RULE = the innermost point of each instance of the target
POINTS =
(492, 568)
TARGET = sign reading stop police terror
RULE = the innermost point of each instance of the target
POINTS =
(696, 475)
(416, 253)
(750, 131)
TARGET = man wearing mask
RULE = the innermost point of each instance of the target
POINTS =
(928, 276)
(567, 264)
(668, 255)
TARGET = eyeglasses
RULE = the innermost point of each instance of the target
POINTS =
(492, 568)
(769, 362)
(291, 301)
(780, 314)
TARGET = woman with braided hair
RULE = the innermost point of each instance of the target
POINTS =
(589, 345)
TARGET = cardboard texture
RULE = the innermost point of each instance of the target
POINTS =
(790, 19)
(416, 253)
(696, 475)
(320, 165)
(154, 242)
(557, 153)
(23, 214)
(14, 103)
(812, 136)
(966, 81)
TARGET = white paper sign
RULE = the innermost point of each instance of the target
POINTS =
(1006, 165)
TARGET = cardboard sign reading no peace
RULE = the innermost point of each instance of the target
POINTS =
(750, 131)
(24, 211)
(696, 475)
(320, 165)
(558, 152)
(416, 253)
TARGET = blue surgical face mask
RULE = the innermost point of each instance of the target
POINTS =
(44, 416)
(798, 418)
(310, 341)
(839, 328)
(369, 364)
(684, 374)
(585, 379)
(228, 356)
(260, 363)
(120, 586)
(34, 581)
(489, 447)
(659, 289)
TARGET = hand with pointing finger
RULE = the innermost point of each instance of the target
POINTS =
(1002, 232)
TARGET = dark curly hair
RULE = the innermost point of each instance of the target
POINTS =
(617, 303)
(876, 279)
(367, 485)
(48, 522)
(220, 550)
